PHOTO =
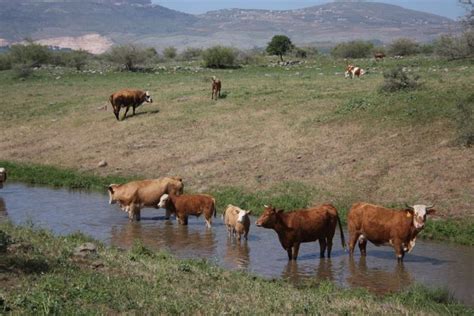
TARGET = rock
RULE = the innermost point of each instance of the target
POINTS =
(102, 164)
(85, 249)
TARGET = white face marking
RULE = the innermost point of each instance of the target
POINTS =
(163, 200)
(420, 216)
(241, 215)
(347, 74)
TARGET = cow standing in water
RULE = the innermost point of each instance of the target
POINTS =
(3, 176)
(216, 88)
(305, 225)
(128, 98)
(380, 225)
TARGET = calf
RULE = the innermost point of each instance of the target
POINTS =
(305, 225)
(135, 195)
(216, 88)
(3, 176)
(128, 98)
(189, 204)
(381, 225)
(237, 221)
(352, 71)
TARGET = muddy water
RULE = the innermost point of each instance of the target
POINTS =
(64, 212)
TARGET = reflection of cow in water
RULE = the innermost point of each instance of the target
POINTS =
(377, 280)
(297, 272)
(3, 209)
(237, 254)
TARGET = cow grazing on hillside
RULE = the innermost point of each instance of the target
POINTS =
(237, 221)
(216, 88)
(379, 56)
(304, 225)
(135, 195)
(352, 71)
(380, 225)
(3, 176)
(189, 204)
(128, 98)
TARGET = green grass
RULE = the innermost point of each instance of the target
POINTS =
(40, 275)
(287, 195)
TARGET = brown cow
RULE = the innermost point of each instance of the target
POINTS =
(3, 176)
(189, 204)
(379, 56)
(304, 225)
(237, 221)
(216, 88)
(127, 98)
(382, 225)
(135, 195)
(352, 71)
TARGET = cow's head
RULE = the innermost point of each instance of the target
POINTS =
(419, 212)
(269, 217)
(175, 186)
(3, 175)
(163, 201)
(111, 189)
(148, 97)
(242, 214)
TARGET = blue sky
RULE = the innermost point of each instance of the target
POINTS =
(449, 8)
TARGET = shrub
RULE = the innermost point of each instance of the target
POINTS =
(170, 52)
(455, 47)
(465, 119)
(77, 59)
(403, 47)
(31, 54)
(426, 49)
(5, 61)
(250, 57)
(397, 79)
(22, 71)
(353, 49)
(219, 57)
(279, 46)
(191, 53)
(129, 56)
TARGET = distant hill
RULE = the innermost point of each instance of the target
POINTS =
(120, 21)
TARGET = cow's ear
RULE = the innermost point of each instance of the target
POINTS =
(431, 211)
(249, 212)
(410, 212)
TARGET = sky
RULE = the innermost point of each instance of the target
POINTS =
(448, 8)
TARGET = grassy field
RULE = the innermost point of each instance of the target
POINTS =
(42, 274)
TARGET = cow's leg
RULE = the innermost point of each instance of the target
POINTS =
(398, 246)
(289, 251)
(126, 111)
(329, 243)
(116, 113)
(167, 214)
(352, 242)
(134, 110)
(296, 249)
(363, 246)
(322, 246)
(208, 222)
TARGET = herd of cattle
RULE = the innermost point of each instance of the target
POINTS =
(366, 222)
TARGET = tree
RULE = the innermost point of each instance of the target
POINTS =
(219, 57)
(279, 46)
(353, 49)
(128, 55)
(170, 52)
(404, 47)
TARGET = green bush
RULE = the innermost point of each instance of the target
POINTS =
(5, 61)
(353, 49)
(191, 53)
(31, 54)
(129, 56)
(397, 79)
(170, 52)
(404, 47)
(22, 71)
(219, 57)
(455, 47)
(465, 119)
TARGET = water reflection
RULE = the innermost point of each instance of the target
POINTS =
(378, 280)
(3, 209)
(237, 254)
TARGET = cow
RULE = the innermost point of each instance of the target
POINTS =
(237, 221)
(352, 71)
(303, 225)
(380, 225)
(189, 204)
(379, 55)
(216, 88)
(135, 195)
(3, 176)
(128, 98)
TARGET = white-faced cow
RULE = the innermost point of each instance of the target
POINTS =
(189, 204)
(352, 71)
(135, 195)
(128, 98)
(237, 221)
(3, 176)
(305, 225)
(380, 225)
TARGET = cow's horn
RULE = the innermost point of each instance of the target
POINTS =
(429, 207)
(265, 206)
(409, 207)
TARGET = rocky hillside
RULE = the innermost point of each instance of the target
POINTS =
(119, 21)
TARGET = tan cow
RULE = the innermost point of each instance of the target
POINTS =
(380, 225)
(237, 221)
(128, 98)
(189, 204)
(216, 88)
(304, 225)
(135, 195)
(3, 176)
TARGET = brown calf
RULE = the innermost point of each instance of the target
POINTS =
(381, 225)
(135, 195)
(237, 221)
(305, 225)
(379, 56)
(189, 204)
(128, 98)
(216, 88)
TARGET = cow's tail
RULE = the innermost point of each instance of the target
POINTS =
(343, 241)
